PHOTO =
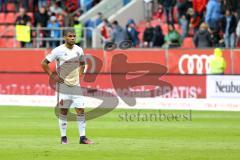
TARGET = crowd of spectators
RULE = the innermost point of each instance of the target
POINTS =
(211, 23)
(46, 17)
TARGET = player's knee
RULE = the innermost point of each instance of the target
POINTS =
(80, 111)
(63, 111)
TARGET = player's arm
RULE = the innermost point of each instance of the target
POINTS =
(46, 68)
(82, 67)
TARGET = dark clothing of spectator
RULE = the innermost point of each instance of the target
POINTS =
(25, 4)
(168, 6)
(158, 37)
(215, 38)
(41, 18)
(182, 7)
(3, 5)
(202, 39)
(132, 35)
(231, 26)
(23, 20)
(148, 34)
(229, 4)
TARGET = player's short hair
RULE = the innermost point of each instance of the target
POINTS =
(65, 32)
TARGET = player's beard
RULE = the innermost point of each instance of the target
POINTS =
(71, 43)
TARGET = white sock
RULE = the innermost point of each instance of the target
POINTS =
(81, 124)
(63, 125)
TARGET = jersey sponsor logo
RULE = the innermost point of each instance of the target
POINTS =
(194, 64)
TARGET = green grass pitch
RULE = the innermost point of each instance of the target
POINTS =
(32, 133)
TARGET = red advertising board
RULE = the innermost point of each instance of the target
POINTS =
(236, 62)
(156, 56)
(178, 61)
(38, 84)
(26, 60)
(194, 61)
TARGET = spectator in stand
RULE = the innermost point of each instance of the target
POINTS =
(106, 31)
(56, 9)
(184, 26)
(199, 6)
(148, 35)
(41, 17)
(78, 27)
(86, 4)
(92, 24)
(168, 6)
(213, 15)
(238, 32)
(158, 14)
(118, 33)
(218, 63)
(194, 21)
(158, 37)
(23, 19)
(40, 34)
(229, 4)
(41, 20)
(25, 4)
(41, 3)
(229, 23)
(182, 7)
(71, 5)
(3, 5)
(173, 38)
(202, 38)
(132, 33)
(55, 33)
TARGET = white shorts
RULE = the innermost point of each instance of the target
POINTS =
(70, 96)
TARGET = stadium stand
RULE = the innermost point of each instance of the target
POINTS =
(193, 10)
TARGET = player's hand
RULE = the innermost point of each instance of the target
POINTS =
(56, 78)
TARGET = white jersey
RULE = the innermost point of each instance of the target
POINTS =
(68, 63)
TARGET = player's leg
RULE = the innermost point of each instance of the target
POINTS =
(81, 121)
(63, 125)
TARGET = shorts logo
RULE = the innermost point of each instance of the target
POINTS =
(195, 64)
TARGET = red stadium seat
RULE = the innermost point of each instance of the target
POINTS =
(10, 31)
(11, 43)
(2, 30)
(2, 42)
(2, 17)
(10, 18)
(11, 7)
(6, 30)
(188, 43)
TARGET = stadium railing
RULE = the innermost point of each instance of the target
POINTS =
(7, 41)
